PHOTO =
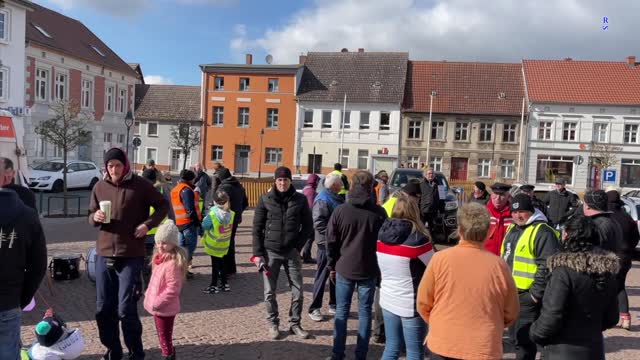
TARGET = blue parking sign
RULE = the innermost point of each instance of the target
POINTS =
(610, 175)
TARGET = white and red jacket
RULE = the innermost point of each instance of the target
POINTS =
(500, 221)
(403, 256)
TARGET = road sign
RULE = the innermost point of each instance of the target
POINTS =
(137, 142)
(609, 175)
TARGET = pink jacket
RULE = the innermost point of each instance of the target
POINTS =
(163, 294)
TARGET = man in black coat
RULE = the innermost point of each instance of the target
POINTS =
(282, 223)
(430, 199)
(560, 203)
(239, 203)
(537, 203)
(596, 205)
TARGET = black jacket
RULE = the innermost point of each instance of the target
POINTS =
(352, 235)
(545, 244)
(23, 252)
(630, 235)
(430, 198)
(281, 222)
(237, 194)
(609, 231)
(203, 182)
(579, 304)
(482, 200)
(323, 206)
(560, 205)
(25, 194)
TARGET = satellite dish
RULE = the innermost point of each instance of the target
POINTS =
(269, 59)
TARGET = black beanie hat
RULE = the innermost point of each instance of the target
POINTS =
(150, 175)
(413, 189)
(522, 202)
(480, 185)
(597, 200)
(115, 154)
(49, 331)
(282, 172)
(187, 175)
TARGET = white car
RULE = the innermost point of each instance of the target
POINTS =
(49, 175)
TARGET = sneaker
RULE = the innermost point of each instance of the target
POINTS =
(316, 315)
(625, 321)
(332, 311)
(226, 288)
(211, 290)
(299, 331)
(274, 333)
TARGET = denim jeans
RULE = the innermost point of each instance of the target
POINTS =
(189, 239)
(344, 292)
(409, 331)
(293, 269)
(322, 274)
(10, 333)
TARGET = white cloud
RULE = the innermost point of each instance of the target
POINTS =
(157, 80)
(471, 30)
(123, 8)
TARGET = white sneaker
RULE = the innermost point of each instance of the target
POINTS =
(332, 311)
(316, 315)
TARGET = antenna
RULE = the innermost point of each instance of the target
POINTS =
(268, 59)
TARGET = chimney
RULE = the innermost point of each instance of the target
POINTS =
(568, 59)
(344, 50)
(631, 61)
(302, 59)
(249, 59)
(360, 50)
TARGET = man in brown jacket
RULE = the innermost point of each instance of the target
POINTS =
(120, 251)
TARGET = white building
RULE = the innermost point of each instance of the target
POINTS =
(373, 84)
(580, 112)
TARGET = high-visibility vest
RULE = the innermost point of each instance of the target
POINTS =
(343, 191)
(216, 241)
(182, 218)
(524, 260)
(389, 204)
(151, 211)
(377, 188)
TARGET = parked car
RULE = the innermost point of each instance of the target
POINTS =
(446, 224)
(49, 175)
(299, 181)
(633, 193)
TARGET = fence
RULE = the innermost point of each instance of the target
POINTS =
(255, 188)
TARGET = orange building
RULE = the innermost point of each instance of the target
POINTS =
(249, 114)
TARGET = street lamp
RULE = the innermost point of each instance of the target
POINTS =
(128, 122)
(260, 159)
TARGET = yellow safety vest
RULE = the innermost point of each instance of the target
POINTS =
(151, 211)
(524, 264)
(216, 241)
(389, 204)
(343, 191)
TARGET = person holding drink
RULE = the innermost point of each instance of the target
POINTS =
(119, 208)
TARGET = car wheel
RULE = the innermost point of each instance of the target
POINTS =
(93, 183)
(58, 186)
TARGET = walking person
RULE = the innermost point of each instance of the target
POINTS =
(239, 203)
(323, 206)
(162, 298)
(217, 227)
(120, 251)
(310, 192)
(480, 194)
(352, 234)
(500, 215)
(467, 295)
(282, 223)
(560, 203)
(403, 251)
(202, 184)
(580, 300)
(529, 242)
(184, 201)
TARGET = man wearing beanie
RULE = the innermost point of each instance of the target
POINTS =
(120, 251)
(527, 245)
(185, 202)
(480, 194)
(281, 225)
(595, 206)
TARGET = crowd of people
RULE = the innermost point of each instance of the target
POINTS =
(549, 273)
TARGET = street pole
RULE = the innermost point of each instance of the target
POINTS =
(429, 129)
(313, 161)
(344, 109)
(260, 159)
(521, 141)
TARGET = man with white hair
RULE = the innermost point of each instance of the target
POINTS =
(323, 205)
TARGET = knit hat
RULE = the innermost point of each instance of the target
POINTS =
(282, 172)
(412, 189)
(150, 175)
(115, 154)
(168, 233)
(223, 173)
(480, 185)
(522, 202)
(597, 200)
(49, 331)
(187, 175)
(337, 166)
(561, 181)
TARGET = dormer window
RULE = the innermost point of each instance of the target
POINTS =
(42, 31)
(98, 51)
(502, 96)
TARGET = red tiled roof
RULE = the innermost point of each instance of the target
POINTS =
(582, 82)
(464, 87)
(71, 37)
(167, 102)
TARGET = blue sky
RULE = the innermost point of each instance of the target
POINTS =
(170, 38)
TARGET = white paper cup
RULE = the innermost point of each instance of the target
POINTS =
(105, 206)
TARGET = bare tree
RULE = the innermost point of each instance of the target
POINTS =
(186, 138)
(604, 156)
(66, 130)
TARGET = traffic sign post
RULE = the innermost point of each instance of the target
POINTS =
(609, 175)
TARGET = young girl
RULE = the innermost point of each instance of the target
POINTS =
(162, 299)
(218, 225)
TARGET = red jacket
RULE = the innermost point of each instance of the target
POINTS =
(500, 221)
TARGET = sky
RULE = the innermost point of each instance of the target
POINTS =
(170, 38)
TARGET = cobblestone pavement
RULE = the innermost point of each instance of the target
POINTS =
(232, 325)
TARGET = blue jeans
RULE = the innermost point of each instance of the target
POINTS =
(322, 274)
(10, 333)
(344, 292)
(408, 330)
(189, 239)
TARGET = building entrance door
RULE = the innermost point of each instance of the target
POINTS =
(459, 168)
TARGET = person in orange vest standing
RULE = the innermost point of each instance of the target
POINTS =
(184, 201)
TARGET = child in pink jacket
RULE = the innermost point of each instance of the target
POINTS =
(162, 299)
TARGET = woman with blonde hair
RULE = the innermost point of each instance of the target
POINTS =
(404, 250)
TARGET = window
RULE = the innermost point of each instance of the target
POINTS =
(600, 132)
(244, 84)
(385, 121)
(218, 83)
(569, 131)
(413, 161)
(274, 85)
(346, 121)
(462, 131)
(41, 147)
(110, 98)
(42, 79)
(552, 168)
(272, 118)
(437, 130)
(363, 159)
(4, 84)
(344, 158)
(436, 163)
(122, 100)
(415, 128)
(216, 152)
(87, 94)
(631, 133)
(57, 151)
(4, 25)
(364, 120)
(273, 156)
(484, 168)
(136, 128)
(507, 169)
(152, 129)
(308, 119)
(509, 133)
(121, 138)
(630, 173)
(326, 119)
(42, 31)
(61, 86)
(218, 116)
(545, 130)
(152, 154)
(97, 50)
(486, 132)
(107, 137)
(243, 117)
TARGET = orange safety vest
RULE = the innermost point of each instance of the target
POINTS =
(377, 188)
(182, 218)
